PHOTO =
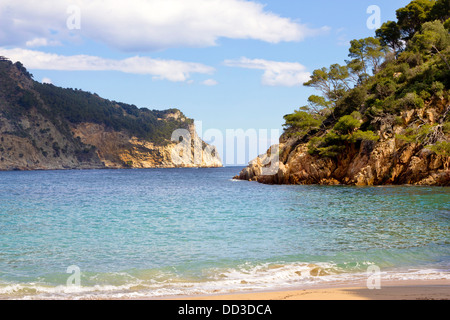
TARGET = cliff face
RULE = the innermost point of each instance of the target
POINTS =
(119, 150)
(391, 160)
(32, 143)
(46, 127)
(382, 118)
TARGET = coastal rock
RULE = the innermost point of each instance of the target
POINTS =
(388, 161)
(118, 150)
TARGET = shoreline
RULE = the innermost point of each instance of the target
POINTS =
(105, 168)
(389, 290)
(438, 289)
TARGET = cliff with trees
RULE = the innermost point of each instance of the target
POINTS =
(43, 126)
(381, 118)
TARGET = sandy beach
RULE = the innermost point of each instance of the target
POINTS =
(398, 290)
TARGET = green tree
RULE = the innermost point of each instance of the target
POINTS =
(320, 81)
(301, 120)
(344, 132)
(366, 53)
(413, 15)
(433, 38)
(347, 125)
(363, 136)
(22, 69)
(447, 24)
(332, 82)
(356, 69)
(338, 76)
(318, 105)
(389, 35)
(440, 11)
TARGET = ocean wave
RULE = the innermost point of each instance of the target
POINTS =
(246, 277)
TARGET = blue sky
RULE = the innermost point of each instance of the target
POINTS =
(231, 64)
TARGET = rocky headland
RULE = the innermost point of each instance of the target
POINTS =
(44, 127)
(382, 118)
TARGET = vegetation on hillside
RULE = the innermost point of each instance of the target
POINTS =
(405, 66)
(73, 106)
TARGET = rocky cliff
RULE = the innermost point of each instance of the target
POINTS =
(389, 161)
(382, 118)
(119, 149)
(46, 127)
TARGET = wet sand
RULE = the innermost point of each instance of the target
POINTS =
(398, 290)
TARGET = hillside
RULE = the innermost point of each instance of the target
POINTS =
(382, 118)
(46, 127)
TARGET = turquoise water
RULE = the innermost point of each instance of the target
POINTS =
(159, 232)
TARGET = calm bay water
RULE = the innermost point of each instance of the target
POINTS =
(159, 232)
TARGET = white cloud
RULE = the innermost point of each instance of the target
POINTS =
(210, 82)
(41, 42)
(47, 80)
(146, 24)
(172, 70)
(276, 73)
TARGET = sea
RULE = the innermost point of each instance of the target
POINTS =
(154, 233)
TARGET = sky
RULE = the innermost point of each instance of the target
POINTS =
(232, 65)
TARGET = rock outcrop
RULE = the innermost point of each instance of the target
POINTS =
(390, 161)
(119, 150)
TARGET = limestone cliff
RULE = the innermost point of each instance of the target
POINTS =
(46, 127)
(119, 150)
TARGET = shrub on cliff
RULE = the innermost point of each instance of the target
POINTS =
(301, 121)
(344, 133)
(347, 124)
(441, 148)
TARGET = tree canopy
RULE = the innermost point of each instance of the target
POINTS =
(406, 65)
(389, 35)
